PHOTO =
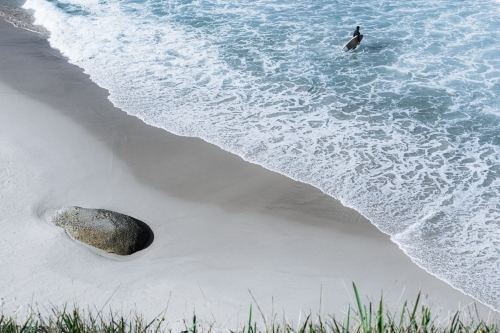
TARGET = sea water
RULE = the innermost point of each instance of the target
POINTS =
(405, 129)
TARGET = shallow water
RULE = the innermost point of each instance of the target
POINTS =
(404, 129)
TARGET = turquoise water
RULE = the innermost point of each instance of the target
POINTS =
(405, 129)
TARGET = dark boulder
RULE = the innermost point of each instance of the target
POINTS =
(106, 230)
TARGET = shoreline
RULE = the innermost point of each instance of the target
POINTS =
(222, 225)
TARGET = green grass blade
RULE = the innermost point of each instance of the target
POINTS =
(401, 320)
(380, 319)
(250, 320)
(362, 313)
(304, 327)
(412, 317)
(348, 324)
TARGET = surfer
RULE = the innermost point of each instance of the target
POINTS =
(354, 42)
(357, 34)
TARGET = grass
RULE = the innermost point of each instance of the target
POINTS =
(363, 318)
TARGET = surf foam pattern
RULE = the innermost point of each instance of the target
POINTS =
(404, 129)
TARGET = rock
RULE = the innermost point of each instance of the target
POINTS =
(106, 230)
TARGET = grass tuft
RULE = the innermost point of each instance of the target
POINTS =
(365, 319)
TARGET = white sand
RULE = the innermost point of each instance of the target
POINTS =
(222, 226)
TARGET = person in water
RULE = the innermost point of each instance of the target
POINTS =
(357, 34)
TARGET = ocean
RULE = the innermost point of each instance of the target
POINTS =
(405, 129)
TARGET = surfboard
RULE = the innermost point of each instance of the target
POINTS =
(352, 43)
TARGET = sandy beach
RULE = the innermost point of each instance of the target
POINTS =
(222, 226)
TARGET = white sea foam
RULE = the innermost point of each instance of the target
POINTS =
(404, 130)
